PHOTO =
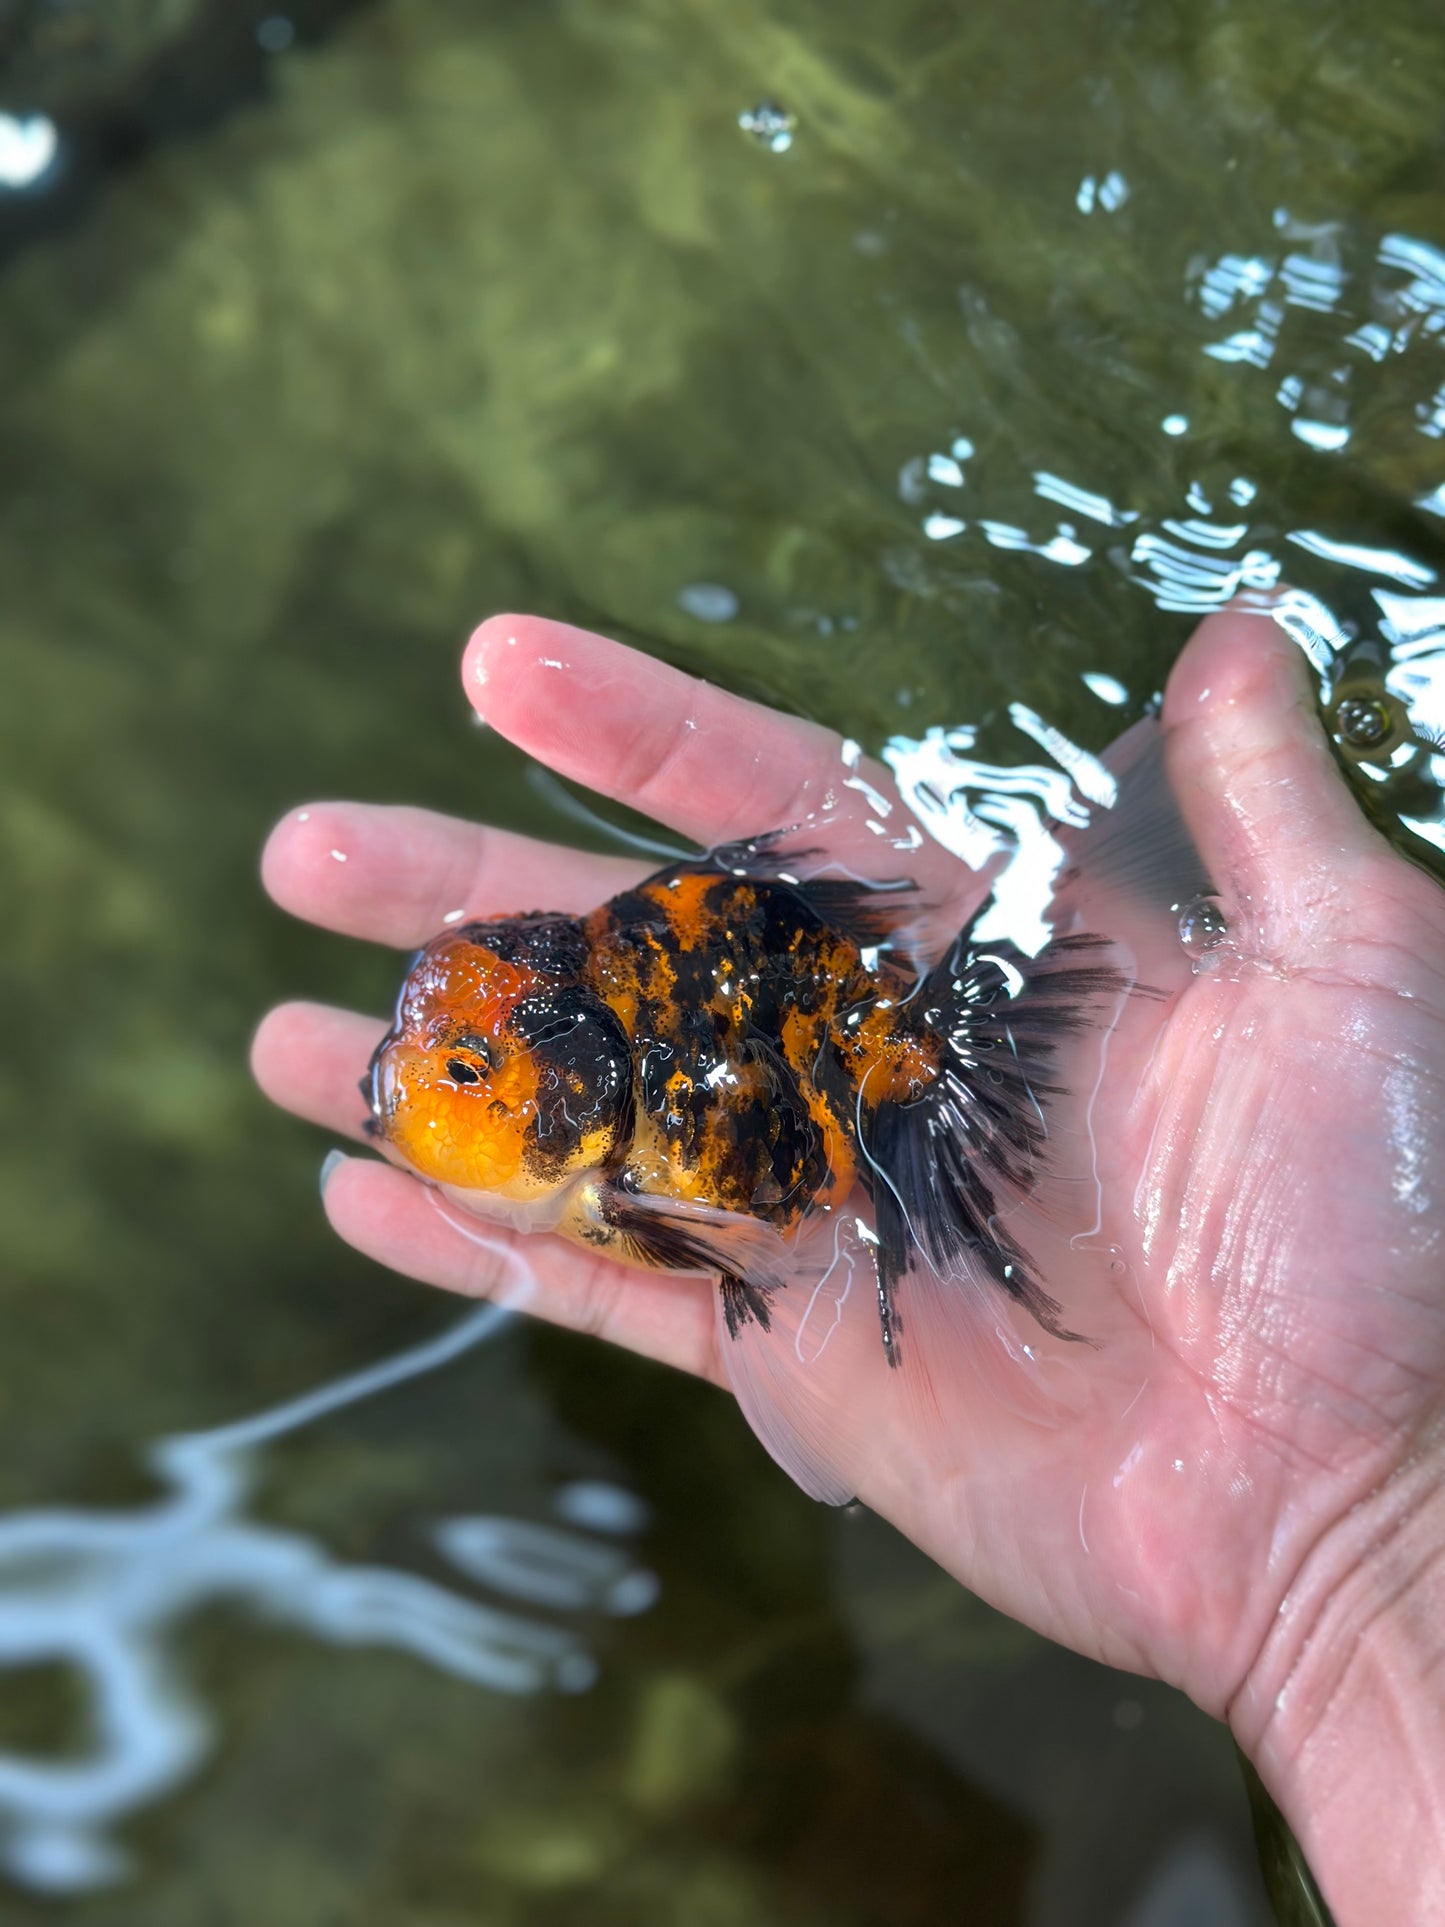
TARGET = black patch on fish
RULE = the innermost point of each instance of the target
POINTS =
(865, 913)
(723, 1096)
(584, 1073)
(777, 1144)
(549, 943)
(940, 1157)
(637, 921)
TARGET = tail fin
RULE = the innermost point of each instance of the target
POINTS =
(956, 1171)
(945, 1164)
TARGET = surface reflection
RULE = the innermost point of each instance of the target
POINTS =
(1001, 816)
(28, 146)
(105, 1594)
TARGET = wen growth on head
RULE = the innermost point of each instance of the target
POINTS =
(736, 1069)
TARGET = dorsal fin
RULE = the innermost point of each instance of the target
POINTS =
(864, 911)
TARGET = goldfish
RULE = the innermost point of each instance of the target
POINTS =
(721, 1063)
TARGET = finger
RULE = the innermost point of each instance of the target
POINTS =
(1272, 815)
(681, 751)
(406, 1226)
(310, 1058)
(399, 876)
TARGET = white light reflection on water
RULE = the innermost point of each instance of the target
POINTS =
(990, 814)
(106, 1593)
(1415, 628)
(1082, 501)
(1107, 688)
(1315, 306)
(28, 149)
(1357, 555)
(1227, 543)
(771, 126)
(1001, 817)
(1110, 193)
(1310, 623)
(708, 601)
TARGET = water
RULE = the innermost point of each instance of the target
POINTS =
(1049, 328)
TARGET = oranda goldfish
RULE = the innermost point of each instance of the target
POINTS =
(687, 1076)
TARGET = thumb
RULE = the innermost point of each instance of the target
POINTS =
(1271, 814)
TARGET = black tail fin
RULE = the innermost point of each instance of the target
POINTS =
(940, 1161)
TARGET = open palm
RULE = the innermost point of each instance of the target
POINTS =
(1272, 1195)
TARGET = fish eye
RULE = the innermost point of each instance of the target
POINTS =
(461, 1072)
(480, 1047)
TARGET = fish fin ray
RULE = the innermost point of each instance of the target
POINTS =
(676, 1234)
(943, 1162)
(1138, 851)
(962, 1175)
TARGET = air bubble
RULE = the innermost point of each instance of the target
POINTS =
(1202, 926)
(1362, 722)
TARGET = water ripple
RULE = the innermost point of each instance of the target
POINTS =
(106, 1595)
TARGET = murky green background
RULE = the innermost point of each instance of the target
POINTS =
(309, 358)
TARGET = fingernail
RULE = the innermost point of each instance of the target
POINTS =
(330, 1165)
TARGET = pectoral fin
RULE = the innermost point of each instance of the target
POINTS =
(677, 1234)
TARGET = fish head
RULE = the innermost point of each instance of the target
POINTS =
(503, 1071)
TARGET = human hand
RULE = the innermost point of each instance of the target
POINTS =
(1240, 1497)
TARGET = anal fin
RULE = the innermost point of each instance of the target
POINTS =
(744, 1304)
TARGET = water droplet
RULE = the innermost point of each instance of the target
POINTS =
(1202, 926)
(771, 126)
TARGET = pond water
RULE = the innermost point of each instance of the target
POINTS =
(895, 366)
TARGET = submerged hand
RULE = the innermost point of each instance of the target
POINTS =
(1253, 1516)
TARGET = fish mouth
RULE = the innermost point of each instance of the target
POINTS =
(378, 1089)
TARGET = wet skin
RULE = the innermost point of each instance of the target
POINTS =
(1259, 1524)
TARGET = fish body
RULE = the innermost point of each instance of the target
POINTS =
(725, 1055)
